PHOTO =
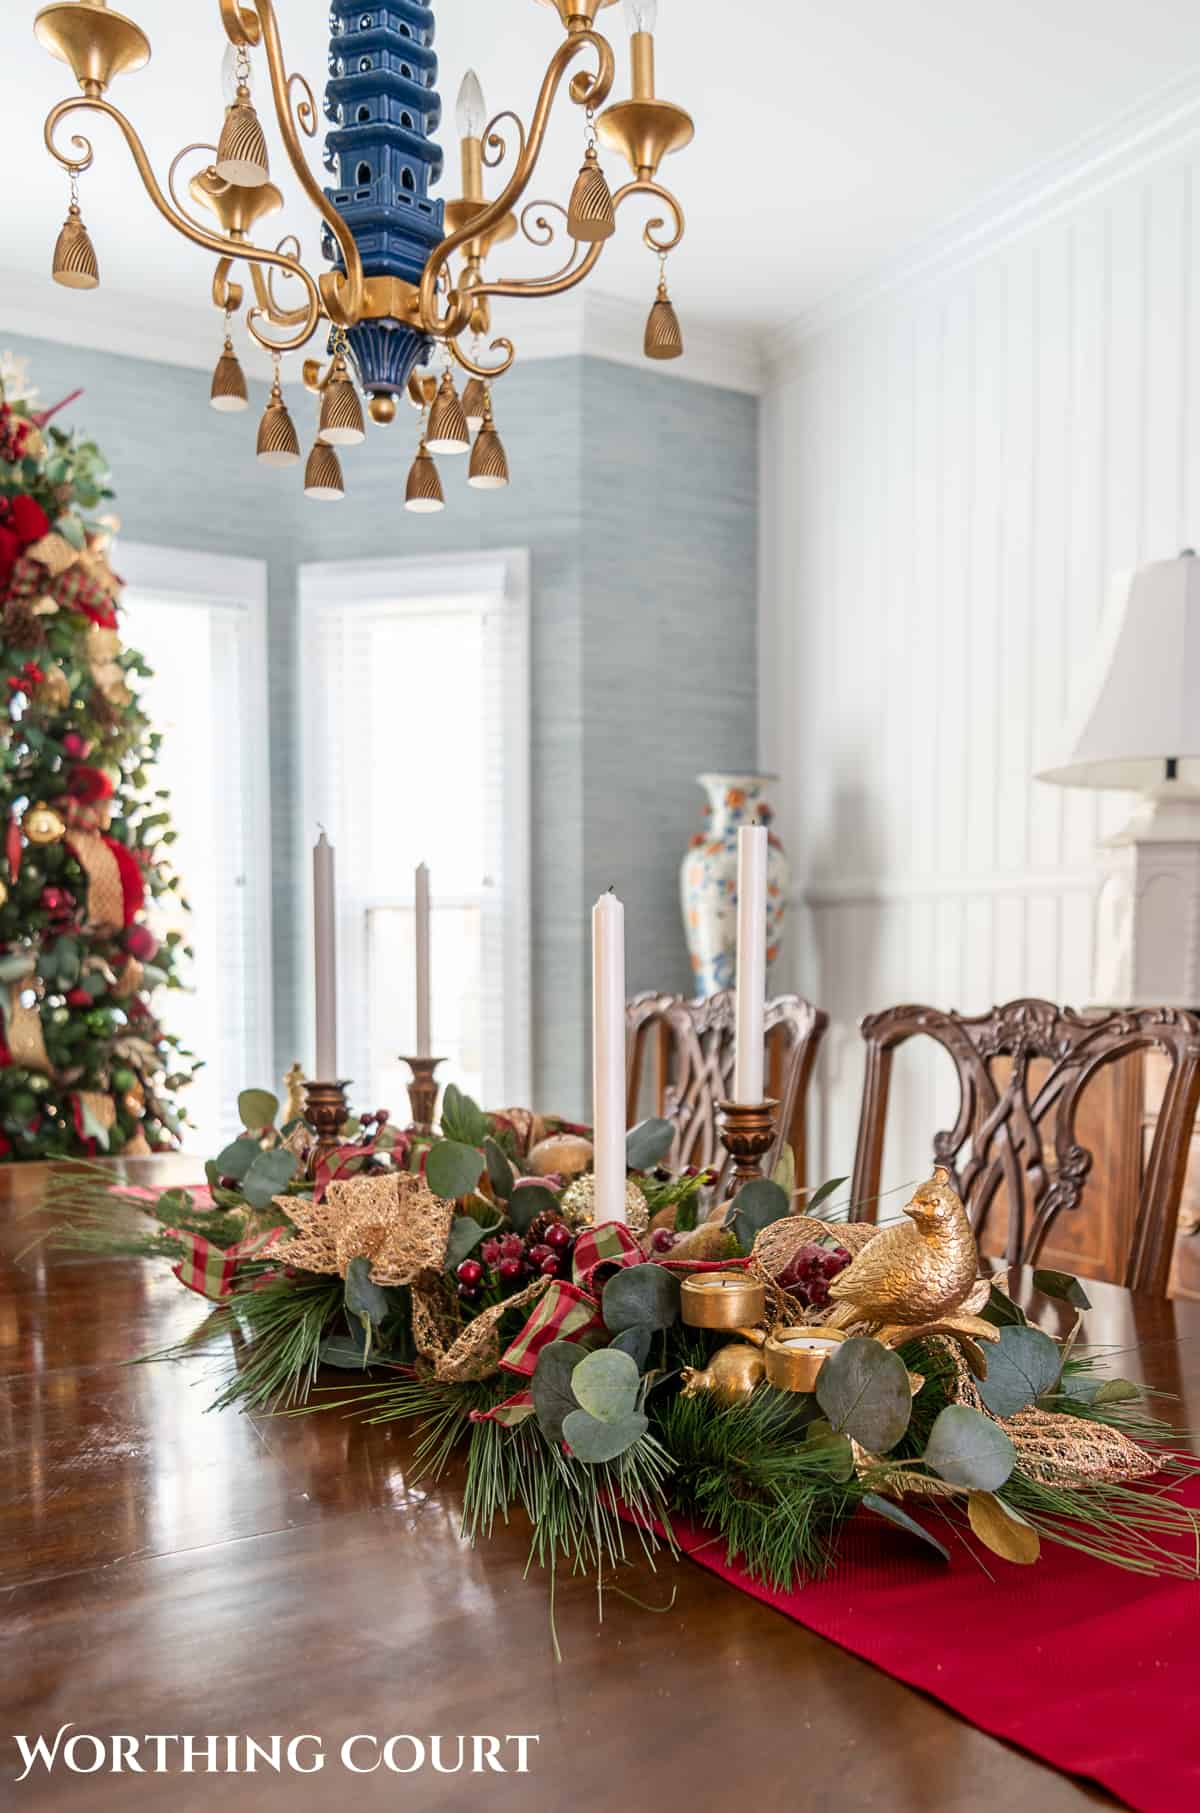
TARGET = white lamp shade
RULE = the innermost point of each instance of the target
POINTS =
(1141, 706)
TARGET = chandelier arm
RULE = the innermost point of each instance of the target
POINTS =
(542, 233)
(264, 290)
(200, 145)
(211, 242)
(644, 186)
(485, 371)
(571, 275)
(586, 90)
(227, 296)
(241, 25)
(495, 145)
(344, 296)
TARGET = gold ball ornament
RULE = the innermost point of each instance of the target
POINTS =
(731, 1375)
(578, 1205)
(562, 1154)
(41, 825)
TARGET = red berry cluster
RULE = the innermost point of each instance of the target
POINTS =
(508, 1261)
(808, 1273)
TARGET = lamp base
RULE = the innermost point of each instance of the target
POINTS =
(1147, 951)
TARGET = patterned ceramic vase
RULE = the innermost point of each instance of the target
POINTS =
(708, 879)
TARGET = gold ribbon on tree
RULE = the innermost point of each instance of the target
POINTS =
(105, 897)
(26, 1041)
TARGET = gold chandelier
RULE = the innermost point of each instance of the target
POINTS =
(409, 281)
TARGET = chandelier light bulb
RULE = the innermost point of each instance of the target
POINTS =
(472, 109)
(641, 15)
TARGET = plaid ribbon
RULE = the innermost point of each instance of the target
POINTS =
(209, 1269)
(609, 1244)
(564, 1313)
(512, 1411)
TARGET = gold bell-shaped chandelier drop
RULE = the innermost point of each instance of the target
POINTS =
(409, 281)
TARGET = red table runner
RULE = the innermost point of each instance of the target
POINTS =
(1092, 1669)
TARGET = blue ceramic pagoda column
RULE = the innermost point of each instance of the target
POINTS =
(383, 107)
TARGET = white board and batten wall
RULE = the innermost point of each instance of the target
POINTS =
(954, 464)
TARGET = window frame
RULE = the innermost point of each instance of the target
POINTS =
(412, 582)
(186, 576)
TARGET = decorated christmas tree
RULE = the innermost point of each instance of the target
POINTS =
(85, 1066)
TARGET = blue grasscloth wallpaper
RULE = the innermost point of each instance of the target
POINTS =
(636, 495)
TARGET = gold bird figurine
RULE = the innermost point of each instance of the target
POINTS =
(917, 1275)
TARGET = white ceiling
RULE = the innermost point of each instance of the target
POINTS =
(829, 137)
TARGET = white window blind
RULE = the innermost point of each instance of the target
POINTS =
(200, 621)
(415, 714)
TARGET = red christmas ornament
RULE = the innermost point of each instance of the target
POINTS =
(57, 900)
(141, 943)
(75, 746)
(27, 520)
(88, 786)
(78, 997)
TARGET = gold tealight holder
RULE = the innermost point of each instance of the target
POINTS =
(795, 1356)
(722, 1300)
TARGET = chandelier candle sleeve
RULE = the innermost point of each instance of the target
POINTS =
(751, 963)
(424, 1014)
(608, 1056)
(325, 934)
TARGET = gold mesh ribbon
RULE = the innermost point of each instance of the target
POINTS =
(105, 901)
(130, 979)
(26, 1041)
(394, 1220)
(475, 1353)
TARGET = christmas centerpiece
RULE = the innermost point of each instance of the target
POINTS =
(85, 1065)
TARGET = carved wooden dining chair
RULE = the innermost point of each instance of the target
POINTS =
(679, 1065)
(1022, 1071)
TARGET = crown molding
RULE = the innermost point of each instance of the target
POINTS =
(1145, 134)
(577, 325)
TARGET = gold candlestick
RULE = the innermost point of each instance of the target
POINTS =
(325, 1110)
(747, 1131)
(423, 1093)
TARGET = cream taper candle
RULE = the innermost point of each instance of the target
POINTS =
(325, 951)
(751, 963)
(424, 993)
(608, 1057)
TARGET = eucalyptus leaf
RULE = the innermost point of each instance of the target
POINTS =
(1002, 1529)
(1021, 1365)
(756, 1205)
(268, 1176)
(595, 1442)
(784, 1173)
(237, 1158)
(553, 1398)
(647, 1144)
(863, 1389)
(500, 1172)
(462, 1119)
(1001, 1311)
(640, 1296)
(257, 1108)
(823, 1193)
(1063, 1287)
(528, 1200)
(365, 1298)
(883, 1507)
(606, 1385)
(349, 1352)
(452, 1169)
(967, 1449)
(465, 1235)
(636, 1343)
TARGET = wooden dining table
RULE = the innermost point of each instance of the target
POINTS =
(168, 1569)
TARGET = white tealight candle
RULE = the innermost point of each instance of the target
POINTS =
(751, 964)
(325, 951)
(608, 1057)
